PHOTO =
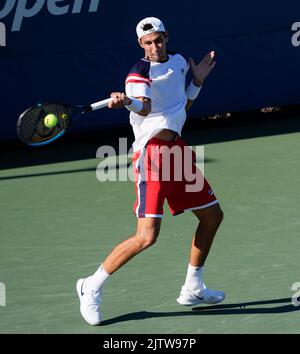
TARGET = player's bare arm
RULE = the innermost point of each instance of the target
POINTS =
(201, 71)
(120, 100)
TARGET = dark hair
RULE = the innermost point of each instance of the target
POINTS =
(147, 27)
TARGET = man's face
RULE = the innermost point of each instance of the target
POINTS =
(154, 45)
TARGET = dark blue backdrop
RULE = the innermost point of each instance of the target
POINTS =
(81, 57)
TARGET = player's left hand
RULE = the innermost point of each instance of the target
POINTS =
(201, 70)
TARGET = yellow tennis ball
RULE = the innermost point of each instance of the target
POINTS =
(50, 120)
(64, 116)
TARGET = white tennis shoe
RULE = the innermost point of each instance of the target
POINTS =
(188, 297)
(89, 303)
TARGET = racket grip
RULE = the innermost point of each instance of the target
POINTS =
(100, 104)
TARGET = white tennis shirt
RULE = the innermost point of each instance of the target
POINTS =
(164, 84)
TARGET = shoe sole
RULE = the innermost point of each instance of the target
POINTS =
(190, 303)
(198, 302)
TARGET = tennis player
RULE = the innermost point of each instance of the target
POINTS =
(157, 97)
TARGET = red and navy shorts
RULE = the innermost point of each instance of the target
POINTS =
(167, 170)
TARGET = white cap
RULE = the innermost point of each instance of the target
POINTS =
(154, 25)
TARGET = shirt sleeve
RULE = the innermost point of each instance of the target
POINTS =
(187, 63)
(138, 83)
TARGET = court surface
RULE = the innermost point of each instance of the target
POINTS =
(58, 222)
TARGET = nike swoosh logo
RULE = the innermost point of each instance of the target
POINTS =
(200, 298)
(81, 289)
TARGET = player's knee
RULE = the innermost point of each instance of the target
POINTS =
(147, 237)
(219, 216)
(149, 241)
(214, 218)
(145, 242)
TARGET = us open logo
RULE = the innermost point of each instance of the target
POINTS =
(2, 35)
(24, 9)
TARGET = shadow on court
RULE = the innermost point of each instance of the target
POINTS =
(75, 146)
(79, 170)
(225, 309)
(53, 173)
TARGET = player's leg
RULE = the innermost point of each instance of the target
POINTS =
(90, 289)
(148, 208)
(145, 236)
(193, 193)
(209, 221)
(194, 290)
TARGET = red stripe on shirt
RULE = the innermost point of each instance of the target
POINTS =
(138, 75)
(137, 82)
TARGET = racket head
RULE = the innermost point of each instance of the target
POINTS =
(31, 128)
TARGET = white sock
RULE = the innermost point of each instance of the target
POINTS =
(193, 279)
(95, 281)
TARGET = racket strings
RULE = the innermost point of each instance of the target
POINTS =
(31, 125)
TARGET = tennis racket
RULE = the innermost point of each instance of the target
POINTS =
(33, 130)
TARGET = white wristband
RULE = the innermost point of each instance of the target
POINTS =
(135, 106)
(192, 91)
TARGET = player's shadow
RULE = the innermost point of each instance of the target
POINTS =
(224, 309)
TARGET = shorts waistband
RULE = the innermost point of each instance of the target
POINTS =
(156, 141)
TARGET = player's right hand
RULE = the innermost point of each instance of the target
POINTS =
(118, 100)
